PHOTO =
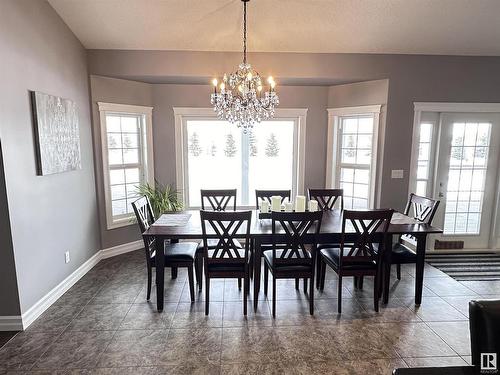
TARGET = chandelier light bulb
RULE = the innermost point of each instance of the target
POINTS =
(270, 79)
(222, 86)
(249, 76)
(214, 82)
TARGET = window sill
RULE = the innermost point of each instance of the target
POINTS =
(121, 223)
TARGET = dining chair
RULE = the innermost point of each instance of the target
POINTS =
(422, 209)
(216, 200)
(327, 199)
(226, 259)
(293, 252)
(362, 256)
(180, 254)
(261, 195)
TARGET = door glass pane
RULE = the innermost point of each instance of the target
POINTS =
(466, 178)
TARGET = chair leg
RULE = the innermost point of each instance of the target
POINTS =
(297, 284)
(239, 283)
(245, 292)
(323, 276)
(191, 282)
(318, 271)
(398, 271)
(376, 292)
(311, 296)
(305, 285)
(199, 273)
(360, 282)
(339, 296)
(355, 282)
(150, 277)
(274, 297)
(207, 294)
(174, 272)
(266, 278)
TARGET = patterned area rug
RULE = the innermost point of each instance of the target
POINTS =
(467, 266)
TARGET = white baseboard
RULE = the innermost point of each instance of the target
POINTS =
(46, 301)
(11, 323)
(18, 323)
(121, 249)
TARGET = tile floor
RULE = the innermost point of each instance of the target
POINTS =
(104, 325)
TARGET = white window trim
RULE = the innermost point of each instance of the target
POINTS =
(333, 158)
(148, 150)
(183, 114)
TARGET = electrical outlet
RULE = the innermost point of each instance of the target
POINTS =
(66, 256)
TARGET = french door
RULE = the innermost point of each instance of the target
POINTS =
(466, 179)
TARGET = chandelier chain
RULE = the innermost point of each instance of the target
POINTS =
(244, 32)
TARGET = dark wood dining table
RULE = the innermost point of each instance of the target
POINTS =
(261, 233)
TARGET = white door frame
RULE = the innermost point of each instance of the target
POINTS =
(439, 107)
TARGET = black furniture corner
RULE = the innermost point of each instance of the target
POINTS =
(484, 325)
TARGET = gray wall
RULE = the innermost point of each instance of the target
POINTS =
(51, 214)
(119, 91)
(412, 78)
(9, 296)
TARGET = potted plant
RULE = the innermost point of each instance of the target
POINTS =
(163, 198)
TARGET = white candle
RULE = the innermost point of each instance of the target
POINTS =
(300, 203)
(288, 206)
(313, 205)
(276, 203)
(264, 207)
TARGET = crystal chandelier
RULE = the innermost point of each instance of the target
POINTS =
(241, 97)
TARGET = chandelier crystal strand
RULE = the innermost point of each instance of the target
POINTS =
(241, 97)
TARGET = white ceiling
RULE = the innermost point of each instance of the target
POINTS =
(449, 27)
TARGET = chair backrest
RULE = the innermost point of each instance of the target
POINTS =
(371, 228)
(225, 227)
(291, 234)
(327, 198)
(421, 208)
(260, 195)
(145, 218)
(219, 199)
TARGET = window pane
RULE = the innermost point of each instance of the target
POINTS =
(347, 174)
(365, 125)
(114, 140)
(132, 175)
(119, 207)
(213, 157)
(116, 176)
(350, 125)
(115, 157)
(131, 155)
(349, 156)
(130, 124)
(425, 132)
(130, 140)
(421, 188)
(113, 124)
(271, 167)
(117, 192)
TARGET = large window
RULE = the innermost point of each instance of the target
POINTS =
(214, 154)
(352, 151)
(127, 158)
